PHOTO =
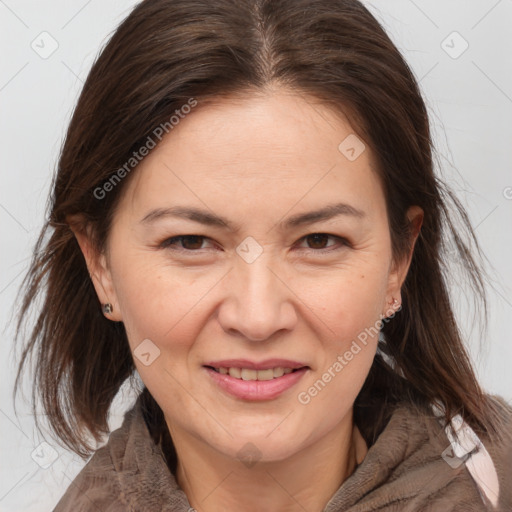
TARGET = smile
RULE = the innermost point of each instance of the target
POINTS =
(250, 374)
(255, 385)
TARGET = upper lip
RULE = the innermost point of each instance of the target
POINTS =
(262, 365)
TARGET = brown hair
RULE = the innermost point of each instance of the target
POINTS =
(169, 51)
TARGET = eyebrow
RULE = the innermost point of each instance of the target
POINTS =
(209, 219)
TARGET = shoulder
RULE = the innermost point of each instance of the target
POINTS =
(463, 467)
(128, 473)
(415, 465)
(96, 485)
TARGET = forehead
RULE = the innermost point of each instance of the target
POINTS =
(275, 151)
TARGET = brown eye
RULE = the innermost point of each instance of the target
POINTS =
(192, 242)
(188, 242)
(317, 240)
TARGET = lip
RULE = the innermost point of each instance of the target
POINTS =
(262, 365)
(255, 390)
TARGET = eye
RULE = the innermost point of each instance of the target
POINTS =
(188, 243)
(317, 242)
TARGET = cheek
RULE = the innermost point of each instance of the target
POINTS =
(158, 302)
(351, 308)
(353, 317)
(161, 308)
(349, 300)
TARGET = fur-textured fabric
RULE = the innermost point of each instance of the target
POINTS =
(404, 470)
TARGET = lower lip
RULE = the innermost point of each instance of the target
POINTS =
(256, 390)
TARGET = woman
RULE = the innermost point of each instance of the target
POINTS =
(246, 213)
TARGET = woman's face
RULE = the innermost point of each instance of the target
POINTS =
(260, 286)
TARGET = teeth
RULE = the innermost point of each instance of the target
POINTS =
(235, 372)
(279, 372)
(250, 374)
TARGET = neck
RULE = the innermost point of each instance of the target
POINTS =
(306, 480)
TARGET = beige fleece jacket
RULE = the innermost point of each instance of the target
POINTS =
(409, 468)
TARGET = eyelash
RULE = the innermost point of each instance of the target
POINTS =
(167, 244)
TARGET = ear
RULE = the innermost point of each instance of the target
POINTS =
(97, 265)
(399, 269)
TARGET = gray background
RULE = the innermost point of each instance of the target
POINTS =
(469, 96)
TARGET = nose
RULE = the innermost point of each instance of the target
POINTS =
(258, 303)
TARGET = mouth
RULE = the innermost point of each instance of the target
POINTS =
(241, 380)
(248, 374)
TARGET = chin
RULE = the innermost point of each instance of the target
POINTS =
(249, 449)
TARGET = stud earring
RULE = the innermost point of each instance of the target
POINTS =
(394, 302)
(107, 308)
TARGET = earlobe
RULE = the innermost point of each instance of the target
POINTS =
(394, 305)
(98, 271)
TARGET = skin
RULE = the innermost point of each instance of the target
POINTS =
(254, 160)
